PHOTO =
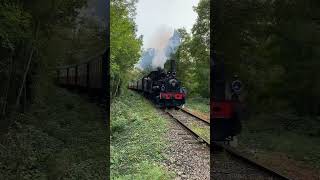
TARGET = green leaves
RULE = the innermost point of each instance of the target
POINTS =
(201, 30)
(15, 25)
(124, 44)
(193, 55)
(273, 45)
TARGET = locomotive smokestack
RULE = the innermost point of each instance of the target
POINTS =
(173, 65)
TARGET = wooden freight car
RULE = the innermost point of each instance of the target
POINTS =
(89, 76)
(82, 73)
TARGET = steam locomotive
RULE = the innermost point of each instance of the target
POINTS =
(162, 87)
(225, 107)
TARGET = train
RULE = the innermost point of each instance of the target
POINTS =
(90, 76)
(162, 87)
(225, 107)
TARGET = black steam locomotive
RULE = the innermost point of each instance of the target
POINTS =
(161, 87)
(225, 107)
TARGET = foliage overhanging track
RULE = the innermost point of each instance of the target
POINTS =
(228, 149)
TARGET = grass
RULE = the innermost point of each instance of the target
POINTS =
(203, 132)
(199, 104)
(137, 141)
(298, 138)
(62, 136)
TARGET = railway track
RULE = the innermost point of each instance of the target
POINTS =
(232, 164)
(187, 154)
(228, 162)
(185, 123)
(198, 116)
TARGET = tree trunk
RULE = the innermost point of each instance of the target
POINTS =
(24, 78)
(25, 98)
(28, 66)
(117, 87)
(5, 104)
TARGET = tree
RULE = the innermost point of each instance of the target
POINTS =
(25, 29)
(193, 55)
(272, 45)
(124, 44)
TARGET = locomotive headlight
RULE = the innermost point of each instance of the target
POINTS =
(173, 82)
(163, 88)
(236, 86)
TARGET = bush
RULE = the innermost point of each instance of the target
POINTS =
(137, 139)
(55, 141)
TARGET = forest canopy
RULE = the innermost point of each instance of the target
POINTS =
(125, 47)
(274, 47)
(37, 36)
(193, 55)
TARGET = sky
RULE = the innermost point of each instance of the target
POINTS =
(163, 15)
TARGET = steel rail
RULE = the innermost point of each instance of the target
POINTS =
(233, 151)
(249, 160)
(196, 116)
(188, 129)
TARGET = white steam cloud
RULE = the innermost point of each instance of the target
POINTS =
(164, 42)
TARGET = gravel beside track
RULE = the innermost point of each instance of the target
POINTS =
(185, 155)
(187, 118)
(191, 121)
(227, 167)
(201, 116)
(192, 162)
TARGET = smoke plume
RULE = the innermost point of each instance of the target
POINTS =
(165, 41)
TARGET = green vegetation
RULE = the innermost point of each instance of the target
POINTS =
(47, 132)
(199, 104)
(193, 55)
(124, 45)
(203, 132)
(137, 142)
(37, 36)
(137, 131)
(193, 60)
(61, 137)
(297, 139)
(274, 48)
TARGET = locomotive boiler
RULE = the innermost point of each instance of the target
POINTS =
(162, 87)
